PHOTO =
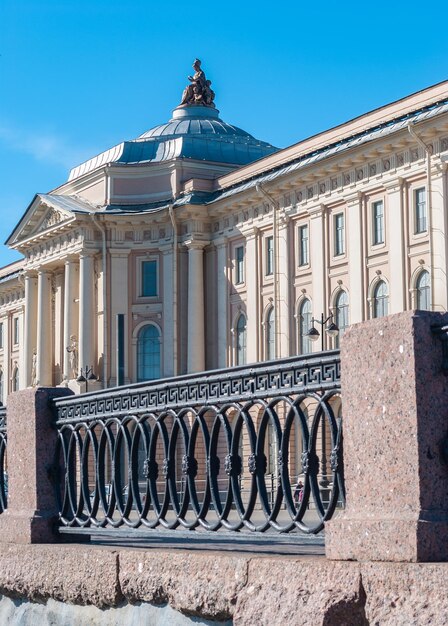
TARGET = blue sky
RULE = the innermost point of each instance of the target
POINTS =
(77, 78)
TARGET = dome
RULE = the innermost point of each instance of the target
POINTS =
(193, 132)
(196, 120)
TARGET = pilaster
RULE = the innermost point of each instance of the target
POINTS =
(196, 313)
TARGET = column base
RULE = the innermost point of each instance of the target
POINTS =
(419, 540)
(77, 387)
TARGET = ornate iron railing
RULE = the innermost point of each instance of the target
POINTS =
(3, 466)
(251, 448)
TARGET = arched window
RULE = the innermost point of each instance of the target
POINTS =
(380, 300)
(305, 317)
(341, 308)
(15, 379)
(423, 291)
(148, 353)
(270, 331)
(241, 340)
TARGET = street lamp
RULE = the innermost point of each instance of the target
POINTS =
(332, 330)
(85, 375)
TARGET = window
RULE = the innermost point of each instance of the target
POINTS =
(420, 210)
(16, 330)
(305, 317)
(303, 245)
(270, 334)
(380, 300)
(378, 222)
(241, 340)
(341, 306)
(149, 287)
(423, 291)
(1, 335)
(339, 243)
(239, 265)
(148, 353)
(1, 387)
(269, 256)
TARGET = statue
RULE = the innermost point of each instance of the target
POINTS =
(34, 369)
(199, 91)
(72, 349)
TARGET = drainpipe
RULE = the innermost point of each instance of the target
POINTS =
(102, 230)
(275, 207)
(174, 224)
(428, 151)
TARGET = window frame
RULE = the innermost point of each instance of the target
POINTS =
(15, 331)
(269, 255)
(138, 335)
(416, 204)
(239, 265)
(375, 233)
(140, 276)
(339, 242)
(303, 251)
(238, 334)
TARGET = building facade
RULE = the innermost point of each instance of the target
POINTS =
(196, 246)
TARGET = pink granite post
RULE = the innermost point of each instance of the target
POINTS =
(31, 511)
(395, 425)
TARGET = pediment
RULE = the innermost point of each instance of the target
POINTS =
(46, 213)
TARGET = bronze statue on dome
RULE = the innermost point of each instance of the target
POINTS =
(198, 92)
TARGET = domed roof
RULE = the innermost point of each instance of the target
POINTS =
(193, 132)
(196, 120)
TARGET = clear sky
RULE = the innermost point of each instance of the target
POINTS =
(78, 77)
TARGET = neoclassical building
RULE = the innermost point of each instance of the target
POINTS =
(197, 246)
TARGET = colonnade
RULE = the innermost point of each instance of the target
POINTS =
(68, 294)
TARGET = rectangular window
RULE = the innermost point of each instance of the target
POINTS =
(378, 222)
(16, 330)
(1, 341)
(239, 265)
(339, 235)
(420, 210)
(269, 256)
(303, 245)
(149, 279)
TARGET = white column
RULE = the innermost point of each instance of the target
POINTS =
(284, 287)
(395, 235)
(59, 348)
(317, 256)
(252, 278)
(439, 208)
(70, 313)
(22, 370)
(44, 369)
(29, 328)
(356, 259)
(168, 317)
(222, 287)
(87, 321)
(196, 314)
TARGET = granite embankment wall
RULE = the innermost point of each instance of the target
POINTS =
(67, 585)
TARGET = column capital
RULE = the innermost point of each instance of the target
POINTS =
(354, 198)
(196, 244)
(221, 242)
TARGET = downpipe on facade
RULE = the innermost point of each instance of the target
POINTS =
(175, 243)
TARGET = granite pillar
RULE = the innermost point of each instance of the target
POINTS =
(395, 425)
(31, 511)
